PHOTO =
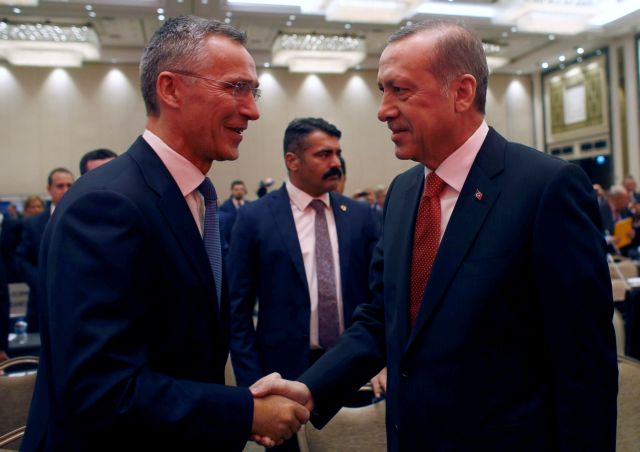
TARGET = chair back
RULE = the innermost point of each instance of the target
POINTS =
(16, 391)
(628, 431)
(359, 429)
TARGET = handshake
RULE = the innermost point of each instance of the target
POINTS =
(280, 407)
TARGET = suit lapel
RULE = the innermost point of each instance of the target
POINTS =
(176, 213)
(466, 220)
(280, 206)
(341, 215)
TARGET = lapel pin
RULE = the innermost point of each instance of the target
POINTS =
(478, 195)
(343, 207)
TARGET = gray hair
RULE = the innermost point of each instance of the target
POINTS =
(177, 45)
(457, 51)
(617, 190)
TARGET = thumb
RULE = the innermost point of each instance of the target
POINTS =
(265, 385)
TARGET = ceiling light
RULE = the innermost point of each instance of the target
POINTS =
(545, 65)
(48, 45)
(160, 10)
(88, 7)
(318, 53)
(370, 11)
(17, 10)
(19, 2)
(456, 9)
(579, 50)
(561, 58)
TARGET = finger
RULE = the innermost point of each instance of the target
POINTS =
(302, 414)
(263, 386)
(375, 385)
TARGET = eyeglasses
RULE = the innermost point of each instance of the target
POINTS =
(240, 89)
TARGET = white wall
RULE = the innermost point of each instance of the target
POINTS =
(51, 117)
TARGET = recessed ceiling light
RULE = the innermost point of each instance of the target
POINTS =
(161, 17)
(552, 37)
(289, 23)
(347, 26)
(514, 29)
(267, 65)
(160, 10)
(92, 14)
(545, 65)
(227, 20)
(561, 58)
(17, 10)
(292, 17)
(579, 50)
(228, 14)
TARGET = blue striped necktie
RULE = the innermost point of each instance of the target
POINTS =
(211, 236)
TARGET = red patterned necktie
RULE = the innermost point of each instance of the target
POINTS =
(426, 239)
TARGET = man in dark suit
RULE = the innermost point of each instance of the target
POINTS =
(492, 306)
(273, 258)
(135, 326)
(27, 252)
(4, 312)
(229, 208)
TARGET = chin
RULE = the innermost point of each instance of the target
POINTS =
(404, 153)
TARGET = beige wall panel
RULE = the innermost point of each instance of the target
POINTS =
(51, 117)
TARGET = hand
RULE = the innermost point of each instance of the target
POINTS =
(379, 383)
(275, 384)
(276, 418)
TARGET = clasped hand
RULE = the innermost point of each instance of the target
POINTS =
(280, 407)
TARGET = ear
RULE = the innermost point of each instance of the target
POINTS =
(292, 161)
(463, 88)
(168, 89)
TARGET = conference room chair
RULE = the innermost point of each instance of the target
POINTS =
(625, 268)
(16, 389)
(628, 432)
(360, 429)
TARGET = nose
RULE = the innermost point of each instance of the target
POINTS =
(249, 108)
(387, 109)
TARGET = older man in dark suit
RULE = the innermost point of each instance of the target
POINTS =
(493, 301)
(135, 311)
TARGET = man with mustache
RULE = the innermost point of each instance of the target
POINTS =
(303, 252)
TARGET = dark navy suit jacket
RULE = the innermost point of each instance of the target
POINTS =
(134, 340)
(513, 348)
(26, 261)
(265, 262)
(10, 238)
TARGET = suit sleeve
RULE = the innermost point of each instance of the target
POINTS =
(98, 280)
(26, 257)
(243, 279)
(574, 291)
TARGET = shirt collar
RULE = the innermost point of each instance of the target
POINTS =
(455, 168)
(301, 199)
(186, 174)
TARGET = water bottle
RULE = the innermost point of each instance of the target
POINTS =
(21, 330)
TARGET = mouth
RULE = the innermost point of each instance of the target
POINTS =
(238, 130)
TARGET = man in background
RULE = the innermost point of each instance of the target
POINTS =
(229, 208)
(27, 253)
(492, 297)
(134, 299)
(95, 158)
(303, 251)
